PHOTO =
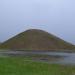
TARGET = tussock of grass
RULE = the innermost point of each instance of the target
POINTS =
(21, 66)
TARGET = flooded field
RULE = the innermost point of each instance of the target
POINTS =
(50, 57)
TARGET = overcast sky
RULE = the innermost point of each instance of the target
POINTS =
(54, 16)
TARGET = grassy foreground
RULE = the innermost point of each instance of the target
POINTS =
(22, 66)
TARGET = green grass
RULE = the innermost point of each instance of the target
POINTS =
(23, 66)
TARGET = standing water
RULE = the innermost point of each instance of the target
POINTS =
(65, 58)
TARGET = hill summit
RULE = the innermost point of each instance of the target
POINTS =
(35, 39)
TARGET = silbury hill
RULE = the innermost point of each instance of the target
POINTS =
(35, 39)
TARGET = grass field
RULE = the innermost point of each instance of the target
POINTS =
(23, 66)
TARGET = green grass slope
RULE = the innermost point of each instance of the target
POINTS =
(35, 39)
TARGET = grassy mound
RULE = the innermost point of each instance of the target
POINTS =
(35, 39)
